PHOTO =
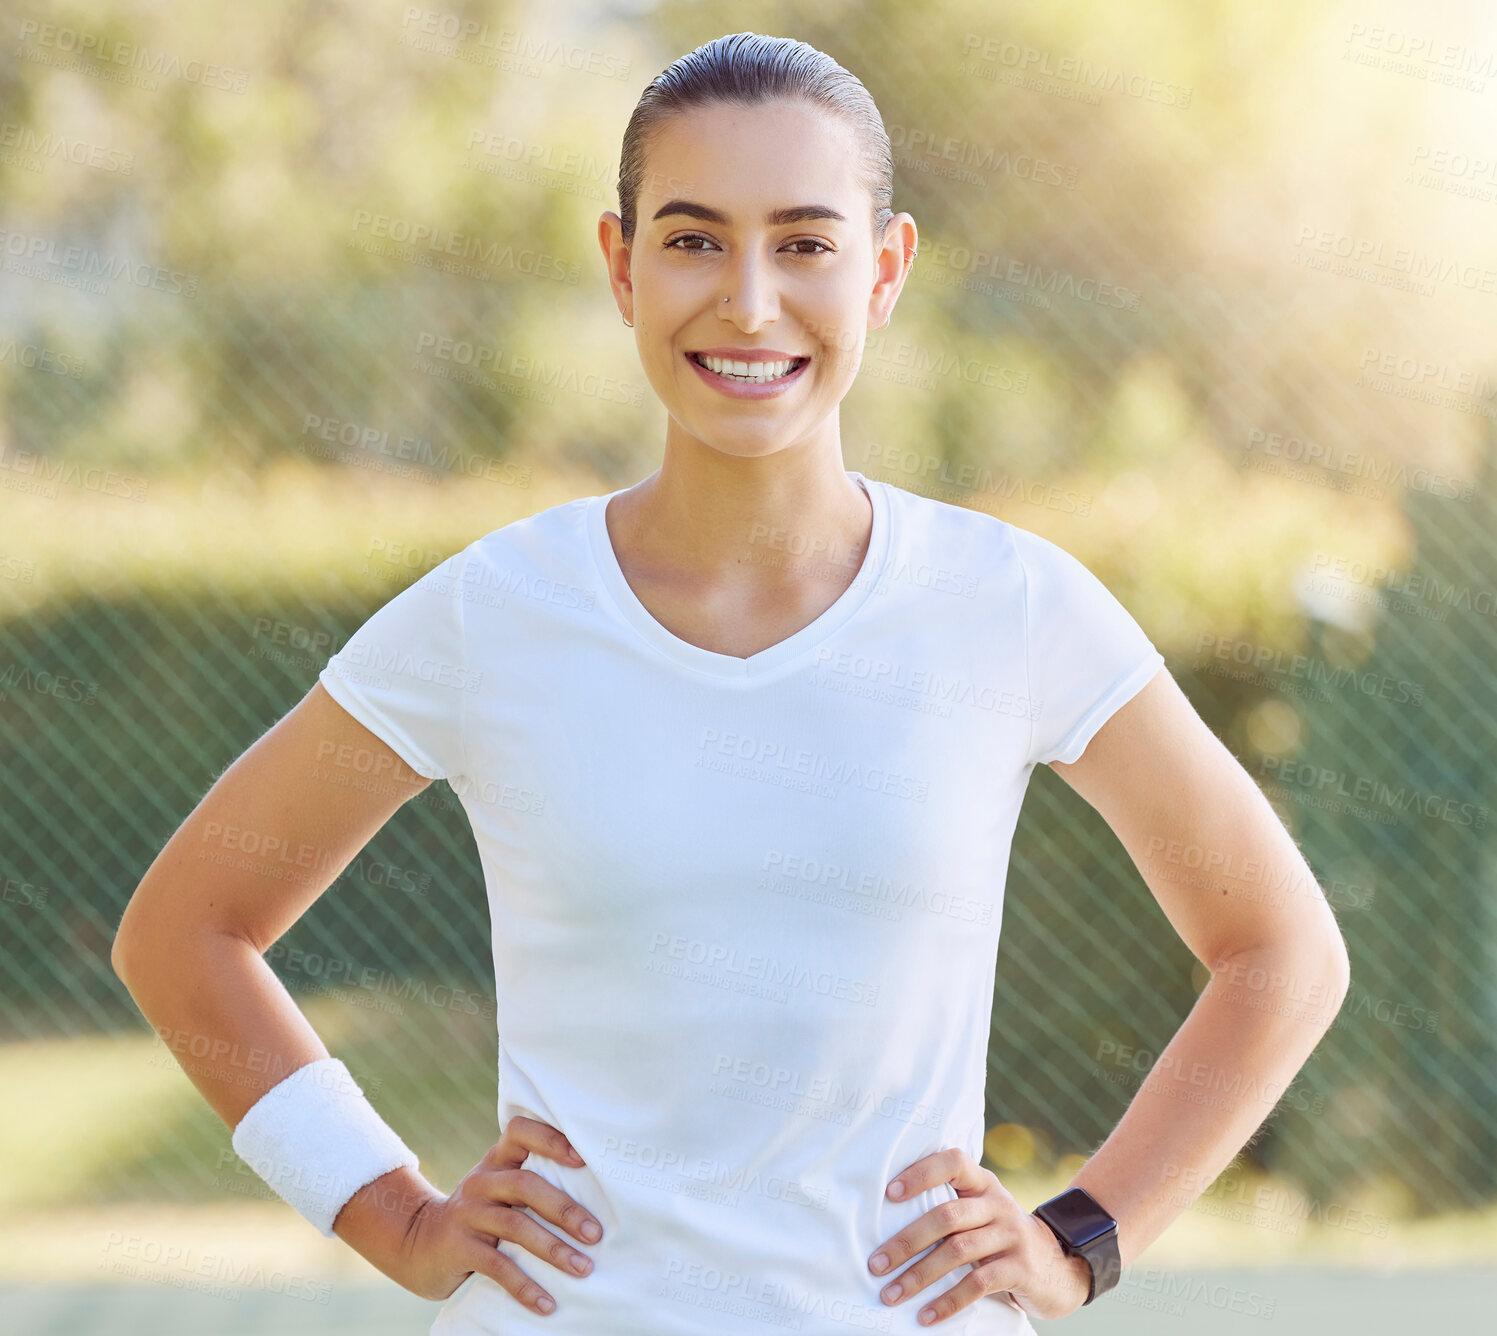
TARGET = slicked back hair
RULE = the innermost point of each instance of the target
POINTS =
(749, 69)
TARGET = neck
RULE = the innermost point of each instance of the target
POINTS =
(773, 519)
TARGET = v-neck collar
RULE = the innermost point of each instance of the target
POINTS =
(782, 652)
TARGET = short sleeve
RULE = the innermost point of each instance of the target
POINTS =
(1087, 656)
(404, 673)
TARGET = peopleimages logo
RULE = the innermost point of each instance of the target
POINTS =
(215, 1275)
(925, 681)
(775, 1302)
(1270, 659)
(37, 146)
(427, 244)
(38, 40)
(1322, 781)
(794, 872)
(827, 1091)
(750, 965)
(403, 663)
(669, 1170)
(758, 756)
(39, 256)
(463, 31)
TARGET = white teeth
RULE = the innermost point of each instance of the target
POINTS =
(756, 372)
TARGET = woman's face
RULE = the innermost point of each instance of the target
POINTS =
(761, 205)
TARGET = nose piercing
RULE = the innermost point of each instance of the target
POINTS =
(725, 299)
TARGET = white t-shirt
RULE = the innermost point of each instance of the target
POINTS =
(745, 912)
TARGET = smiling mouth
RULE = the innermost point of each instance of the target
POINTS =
(749, 373)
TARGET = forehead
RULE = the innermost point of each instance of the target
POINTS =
(745, 161)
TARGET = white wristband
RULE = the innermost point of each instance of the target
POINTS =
(317, 1140)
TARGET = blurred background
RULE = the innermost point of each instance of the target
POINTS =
(299, 299)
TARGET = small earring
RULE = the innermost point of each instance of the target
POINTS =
(625, 319)
(725, 299)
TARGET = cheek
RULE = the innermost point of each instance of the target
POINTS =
(841, 356)
(841, 328)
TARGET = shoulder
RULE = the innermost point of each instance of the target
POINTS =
(557, 534)
(942, 531)
(1043, 559)
(935, 526)
(542, 559)
(1052, 591)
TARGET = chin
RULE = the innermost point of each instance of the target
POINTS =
(746, 449)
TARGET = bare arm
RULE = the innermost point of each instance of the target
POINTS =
(1237, 890)
(190, 946)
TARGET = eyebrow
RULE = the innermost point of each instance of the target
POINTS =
(797, 213)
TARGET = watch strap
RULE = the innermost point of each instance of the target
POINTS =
(1100, 1254)
(1106, 1264)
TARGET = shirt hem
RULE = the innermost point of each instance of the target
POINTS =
(1071, 747)
(346, 694)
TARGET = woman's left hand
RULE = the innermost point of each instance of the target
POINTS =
(1014, 1256)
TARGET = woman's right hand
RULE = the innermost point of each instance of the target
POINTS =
(452, 1237)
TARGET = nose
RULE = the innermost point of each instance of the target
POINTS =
(753, 298)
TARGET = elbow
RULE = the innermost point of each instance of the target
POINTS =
(124, 950)
(1334, 957)
(149, 945)
(1327, 971)
(1336, 979)
(119, 955)
(1331, 964)
(1339, 967)
(1318, 964)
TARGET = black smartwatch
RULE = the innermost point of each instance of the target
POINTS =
(1085, 1230)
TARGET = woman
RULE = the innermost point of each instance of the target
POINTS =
(743, 747)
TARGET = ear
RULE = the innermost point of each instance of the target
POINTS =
(891, 266)
(616, 258)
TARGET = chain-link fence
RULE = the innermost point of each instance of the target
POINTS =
(1173, 397)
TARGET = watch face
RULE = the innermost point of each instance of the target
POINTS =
(1079, 1217)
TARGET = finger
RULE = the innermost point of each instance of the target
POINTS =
(525, 1187)
(940, 1166)
(523, 1135)
(972, 1246)
(503, 1270)
(508, 1223)
(986, 1278)
(961, 1213)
